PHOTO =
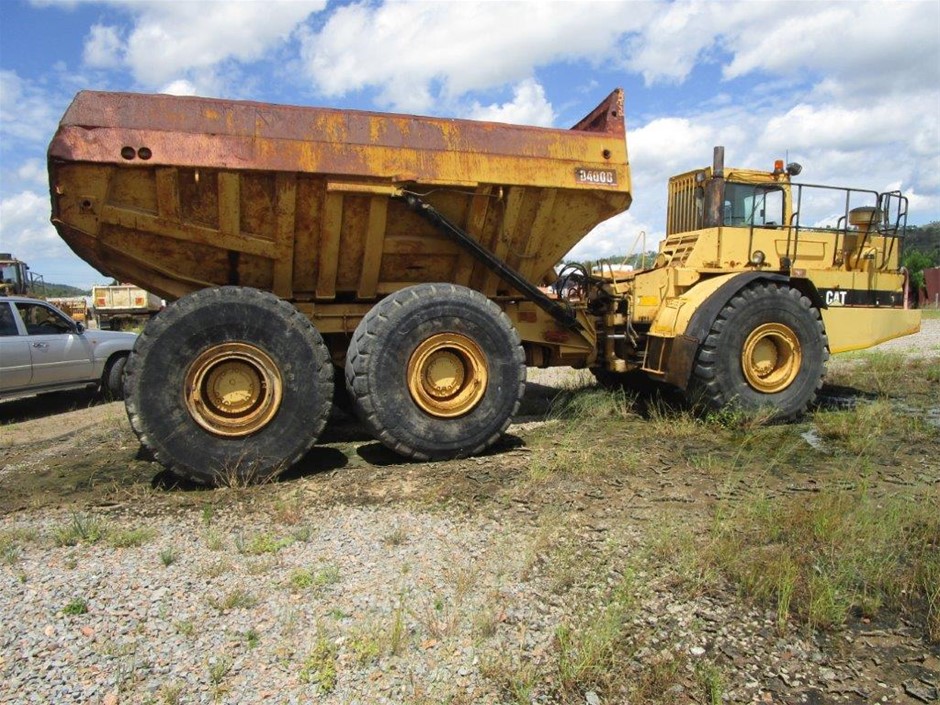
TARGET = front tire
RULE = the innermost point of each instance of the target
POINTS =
(766, 349)
(436, 371)
(113, 381)
(229, 385)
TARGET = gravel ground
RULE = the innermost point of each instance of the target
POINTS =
(347, 604)
(926, 342)
(359, 606)
(233, 620)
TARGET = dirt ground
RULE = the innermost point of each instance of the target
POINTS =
(72, 452)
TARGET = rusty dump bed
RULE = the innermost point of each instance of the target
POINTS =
(179, 193)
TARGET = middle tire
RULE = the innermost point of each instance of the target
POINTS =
(436, 371)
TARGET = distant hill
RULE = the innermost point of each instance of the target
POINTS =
(62, 291)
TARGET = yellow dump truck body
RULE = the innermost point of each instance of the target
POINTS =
(177, 194)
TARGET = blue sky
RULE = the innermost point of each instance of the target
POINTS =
(850, 89)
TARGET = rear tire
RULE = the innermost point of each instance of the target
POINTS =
(436, 371)
(229, 385)
(766, 349)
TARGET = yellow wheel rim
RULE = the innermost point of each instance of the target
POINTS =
(233, 389)
(447, 375)
(771, 357)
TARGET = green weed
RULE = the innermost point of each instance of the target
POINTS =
(11, 544)
(75, 606)
(236, 598)
(823, 558)
(129, 538)
(591, 654)
(168, 556)
(219, 667)
(711, 682)
(258, 544)
(307, 579)
(81, 528)
(320, 665)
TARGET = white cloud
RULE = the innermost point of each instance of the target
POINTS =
(26, 111)
(179, 87)
(173, 41)
(621, 235)
(415, 53)
(672, 41)
(32, 173)
(25, 231)
(25, 228)
(103, 47)
(529, 106)
(860, 43)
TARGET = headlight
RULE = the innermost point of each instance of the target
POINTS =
(757, 258)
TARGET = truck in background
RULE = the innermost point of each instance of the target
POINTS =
(123, 306)
(17, 279)
(76, 307)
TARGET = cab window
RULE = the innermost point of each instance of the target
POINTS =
(43, 320)
(751, 205)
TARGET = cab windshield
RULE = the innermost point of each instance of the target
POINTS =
(752, 205)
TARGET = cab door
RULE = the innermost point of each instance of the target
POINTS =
(58, 352)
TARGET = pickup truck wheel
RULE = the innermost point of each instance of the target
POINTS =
(436, 371)
(113, 381)
(767, 348)
(229, 385)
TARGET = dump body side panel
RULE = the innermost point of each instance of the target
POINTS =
(299, 201)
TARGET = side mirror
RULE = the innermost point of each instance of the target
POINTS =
(79, 327)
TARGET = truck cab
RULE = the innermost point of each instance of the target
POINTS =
(734, 233)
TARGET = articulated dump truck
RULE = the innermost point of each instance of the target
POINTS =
(409, 262)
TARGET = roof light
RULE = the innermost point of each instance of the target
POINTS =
(778, 166)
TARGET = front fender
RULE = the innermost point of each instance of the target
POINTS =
(692, 317)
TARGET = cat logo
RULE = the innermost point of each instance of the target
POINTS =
(835, 297)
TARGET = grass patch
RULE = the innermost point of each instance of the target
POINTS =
(836, 554)
(76, 606)
(80, 528)
(588, 404)
(870, 429)
(306, 579)
(185, 627)
(168, 556)
(11, 544)
(885, 374)
(236, 598)
(319, 667)
(591, 654)
(262, 543)
(130, 538)
(219, 667)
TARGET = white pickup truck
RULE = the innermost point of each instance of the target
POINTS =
(43, 350)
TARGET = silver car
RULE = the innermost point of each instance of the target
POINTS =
(43, 350)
